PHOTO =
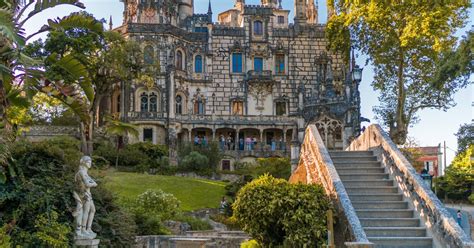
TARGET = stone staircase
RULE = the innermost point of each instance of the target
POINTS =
(387, 219)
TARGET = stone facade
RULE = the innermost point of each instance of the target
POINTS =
(253, 74)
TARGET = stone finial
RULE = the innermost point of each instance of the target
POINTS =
(110, 23)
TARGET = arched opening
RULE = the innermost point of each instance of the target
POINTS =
(179, 60)
(179, 104)
(153, 102)
(257, 28)
(144, 102)
(199, 106)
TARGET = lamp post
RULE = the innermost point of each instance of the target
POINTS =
(357, 74)
(427, 178)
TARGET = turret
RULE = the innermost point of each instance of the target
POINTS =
(185, 9)
(300, 12)
(270, 3)
(239, 4)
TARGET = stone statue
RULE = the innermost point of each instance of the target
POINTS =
(85, 209)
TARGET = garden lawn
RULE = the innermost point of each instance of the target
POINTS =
(192, 192)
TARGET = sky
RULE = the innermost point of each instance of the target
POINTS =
(435, 126)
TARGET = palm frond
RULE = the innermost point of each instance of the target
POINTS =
(46, 4)
(115, 127)
(77, 20)
(8, 28)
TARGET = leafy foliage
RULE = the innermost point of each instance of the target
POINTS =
(458, 181)
(404, 40)
(196, 162)
(277, 213)
(465, 136)
(42, 189)
(411, 150)
(199, 165)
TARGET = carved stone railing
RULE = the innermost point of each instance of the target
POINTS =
(145, 116)
(316, 166)
(259, 76)
(444, 229)
(236, 119)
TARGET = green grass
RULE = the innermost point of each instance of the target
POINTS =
(193, 193)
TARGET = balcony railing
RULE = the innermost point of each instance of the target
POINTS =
(263, 76)
(236, 118)
(145, 116)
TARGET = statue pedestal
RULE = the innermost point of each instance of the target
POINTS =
(87, 243)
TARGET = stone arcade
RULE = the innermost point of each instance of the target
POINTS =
(251, 74)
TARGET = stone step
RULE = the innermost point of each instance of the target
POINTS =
(336, 159)
(380, 204)
(362, 183)
(357, 165)
(371, 190)
(397, 242)
(351, 153)
(376, 197)
(395, 231)
(362, 176)
(384, 213)
(355, 162)
(390, 222)
(350, 170)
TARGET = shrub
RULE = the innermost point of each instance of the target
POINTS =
(471, 198)
(276, 213)
(250, 244)
(211, 152)
(50, 232)
(152, 151)
(197, 162)
(277, 167)
(151, 208)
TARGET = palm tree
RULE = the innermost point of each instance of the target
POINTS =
(119, 129)
(18, 72)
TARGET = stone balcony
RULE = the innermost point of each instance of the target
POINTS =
(236, 119)
(145, 116)
(259, 76)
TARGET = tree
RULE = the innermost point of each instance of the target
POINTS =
(18, 72)
(465, 137)
(277, 213)
(107, 59)
(120, 129)
(404, 40)
(411, 150)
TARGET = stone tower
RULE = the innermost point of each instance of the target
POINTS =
(185, 9)
(300, 12)
(270, 3)
(312, 12)
(239, 4)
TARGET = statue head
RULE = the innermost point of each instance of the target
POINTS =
(86, 161)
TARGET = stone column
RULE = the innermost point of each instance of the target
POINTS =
(284, 139)
(236, 142)
(190, 138)
(213, 134)
(261, 140)
(171, 96)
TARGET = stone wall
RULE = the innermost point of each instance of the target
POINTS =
(40, 133)
(316, 166)
(211, 239)
(444, 229)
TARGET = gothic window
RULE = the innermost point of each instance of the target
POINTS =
(280, 108)
(280, 64)
(144, 102)
(237, 62)
(179, 60)
(117, 102)
(198, 64)
(238, 108)
(153, 102)
(179, 104)
(199, 106)
(281, 20)
(257, 28)
(148, 55)
(147, 135)
(258, 64)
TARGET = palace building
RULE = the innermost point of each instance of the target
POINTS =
(252, 75)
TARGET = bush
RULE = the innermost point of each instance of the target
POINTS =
(277, 167)
(151, 208)
(250, 244)
(197, 162)
(276, 213)
(152, 151)
(471, 198)
(211, 152)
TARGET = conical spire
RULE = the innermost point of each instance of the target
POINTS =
(209, 12)
(110, 23)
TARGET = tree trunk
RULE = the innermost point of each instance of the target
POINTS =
(5, 104)
(118, 150)
(87, 130)
(398, 132)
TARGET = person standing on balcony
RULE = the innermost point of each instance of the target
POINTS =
(241, 144)
(273, 145)
(248, 142)
(196, 140)
(222, 142)
(204, 141)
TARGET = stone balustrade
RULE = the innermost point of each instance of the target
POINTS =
(237, 119)
(444, 229)
(316, 166)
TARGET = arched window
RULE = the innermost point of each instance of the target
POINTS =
(198, 64)
(153, 102)
(179, 60)
(199, 106)
(148, 56)
(257, 28)
(144, 102)
(179, 104)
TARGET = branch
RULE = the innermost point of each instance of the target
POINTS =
(17, 18)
